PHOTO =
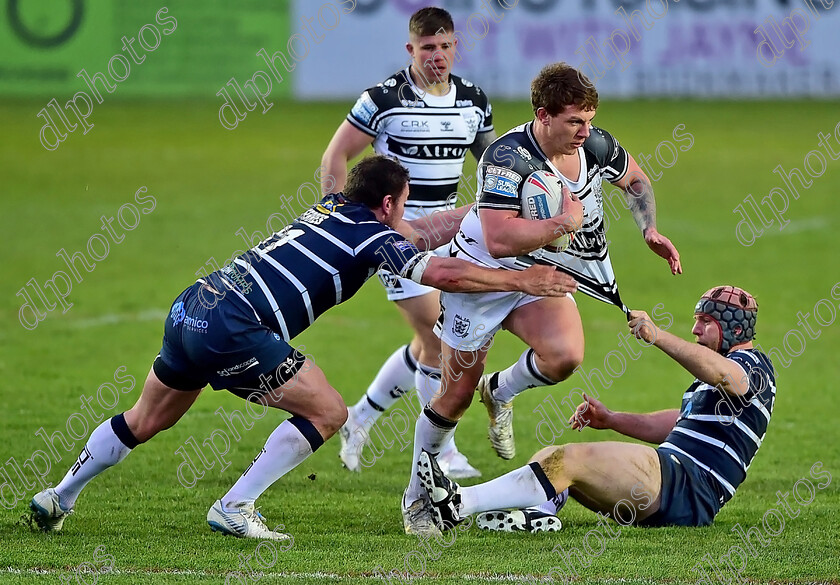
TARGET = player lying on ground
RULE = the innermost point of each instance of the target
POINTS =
(427, 119)
(232, 330)
(704, 448)
(560, 140)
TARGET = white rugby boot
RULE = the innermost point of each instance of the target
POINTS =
(500, 426)
(243, 522)
(418, 517)
(47, 512)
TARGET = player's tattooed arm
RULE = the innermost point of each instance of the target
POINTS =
(642, 204)
(640, 199)
(482, 141)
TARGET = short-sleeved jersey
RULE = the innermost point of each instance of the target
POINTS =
(430, 135)
(502, 171)
(320, 260)
(720, 432)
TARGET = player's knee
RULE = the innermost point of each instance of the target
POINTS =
(331, 415)
(544, 453)
(562, 363)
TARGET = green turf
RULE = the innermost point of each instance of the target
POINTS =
(208, 182)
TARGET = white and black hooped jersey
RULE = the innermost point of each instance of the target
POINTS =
(501, 173)
(721, 433)
(430, 135)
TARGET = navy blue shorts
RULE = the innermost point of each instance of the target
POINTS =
(225, 346)
(690, 496)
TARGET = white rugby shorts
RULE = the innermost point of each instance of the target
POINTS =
(469, 320)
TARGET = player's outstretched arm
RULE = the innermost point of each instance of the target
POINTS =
(706, 365)
(435, 229)
(506, 233)
(651, 427)
(455, 275)
(639, 192)
(347, 143)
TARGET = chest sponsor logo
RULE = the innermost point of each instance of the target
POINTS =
(415, 126)
(437, 151)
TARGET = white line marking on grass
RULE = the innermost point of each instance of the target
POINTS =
(800, 225)
(507, 578)
(113, 318)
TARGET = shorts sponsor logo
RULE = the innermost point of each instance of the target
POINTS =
(239, 368)
(501, 186)
(461, 327)
(364, 109)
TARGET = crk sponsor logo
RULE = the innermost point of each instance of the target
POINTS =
(446, 126)
(415, 125)
(239, 368)
(177, 313)
(461, 326)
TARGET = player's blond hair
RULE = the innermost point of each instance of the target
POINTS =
(559, 85)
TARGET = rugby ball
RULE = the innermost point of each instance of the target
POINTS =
(542, 197)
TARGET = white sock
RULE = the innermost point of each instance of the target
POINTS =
(284, 450)
(555, 504)
(431, 432)
(521, 488)
(395, 378)
(519, 377)
(427, 382)
(103, 449)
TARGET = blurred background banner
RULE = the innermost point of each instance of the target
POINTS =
(198, 45)
(636, 48)
(698, 48)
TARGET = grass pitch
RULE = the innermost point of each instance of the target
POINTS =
(138, 524)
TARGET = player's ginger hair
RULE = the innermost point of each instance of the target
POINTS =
(559, 85)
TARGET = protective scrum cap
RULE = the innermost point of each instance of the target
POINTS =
(734, 310)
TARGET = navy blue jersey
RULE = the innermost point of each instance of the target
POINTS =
(322, 259)
(720, 432)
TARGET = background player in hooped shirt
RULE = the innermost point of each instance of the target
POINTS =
(232, 330)
(428, 119)
(561, 140)
(704, 449)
